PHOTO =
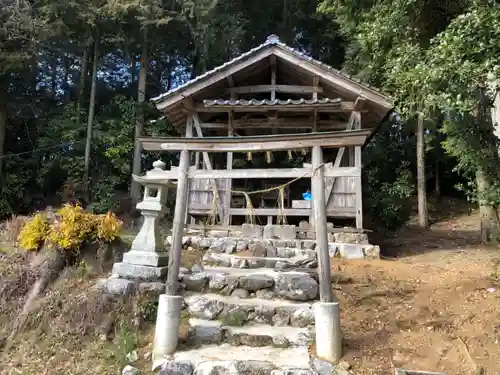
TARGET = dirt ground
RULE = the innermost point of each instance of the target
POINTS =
(433, 306)
(432, 303)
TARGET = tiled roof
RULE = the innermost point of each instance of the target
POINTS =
(272, 40)
(267, 102)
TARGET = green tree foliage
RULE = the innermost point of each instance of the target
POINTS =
(436, 57)
(439, 57)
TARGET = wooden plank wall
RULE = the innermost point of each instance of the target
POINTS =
(201, 193)
(343, 194)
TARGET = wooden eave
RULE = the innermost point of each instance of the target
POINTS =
(214, 83)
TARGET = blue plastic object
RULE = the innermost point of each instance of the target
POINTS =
(307, 196)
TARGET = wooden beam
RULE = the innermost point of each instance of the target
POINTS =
(316, 87)
(338, 212)
(230, 82)
(200, 227)
(341, 212)
(256, 143)
(354, 123)
(319, 212)
(285, 89)
(273, 77)
(208, 166)
(306, 123)
(359, 103)
(330, 108)
(229, 181)
(288, 173)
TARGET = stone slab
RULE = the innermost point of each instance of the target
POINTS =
(136, 272)
(210, 331)
(294, 371)
(352, 238)
(205, 331)
(146, 258)
(351, 251)
(371, 251)
(152, 287)
(252, 231)
(231, 367)
(295, 336)
(338, 277)
(116, 286)
(253, 302)
(236, 261)
(280, 357)
(282, 232)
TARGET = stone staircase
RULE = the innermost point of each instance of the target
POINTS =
(249, 303)
(252, 300)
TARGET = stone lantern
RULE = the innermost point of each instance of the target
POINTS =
(148, 247)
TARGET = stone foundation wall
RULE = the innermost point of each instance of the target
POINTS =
(345, 245)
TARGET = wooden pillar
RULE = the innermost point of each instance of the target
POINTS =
(357, 163)
(319, 210)
(189, 134)
(208, 165)
(273, 76)
(197, 160)
(229, 181)
(314, 130)
(316, 87)
(358, 189)
(178, 224)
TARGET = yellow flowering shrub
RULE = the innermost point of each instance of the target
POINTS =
(34, 232)
(108, 227)
(73, 227)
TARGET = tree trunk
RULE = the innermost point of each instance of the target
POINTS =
(422, 193)
(169, 78)
(84, 73)
(54, 77)
(133, 70)
(55, 261)
(90, 120)
(66, 85)
(198, 61)
(139, 124)
(489, 216)
(437, 186)
(3, 123)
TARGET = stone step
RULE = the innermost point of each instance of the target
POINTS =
(254, 335)
(337, 278)
(248, 360)
(291, 252)
(242, 242)
(292, 285)
(239, 360)
(344, 245)
(237, 261)
(250, 310)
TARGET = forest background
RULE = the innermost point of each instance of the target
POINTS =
(76, 78)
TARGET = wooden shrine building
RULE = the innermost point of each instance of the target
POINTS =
(250, 125)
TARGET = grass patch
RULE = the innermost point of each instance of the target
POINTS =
(235, 318)
(191, 256)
